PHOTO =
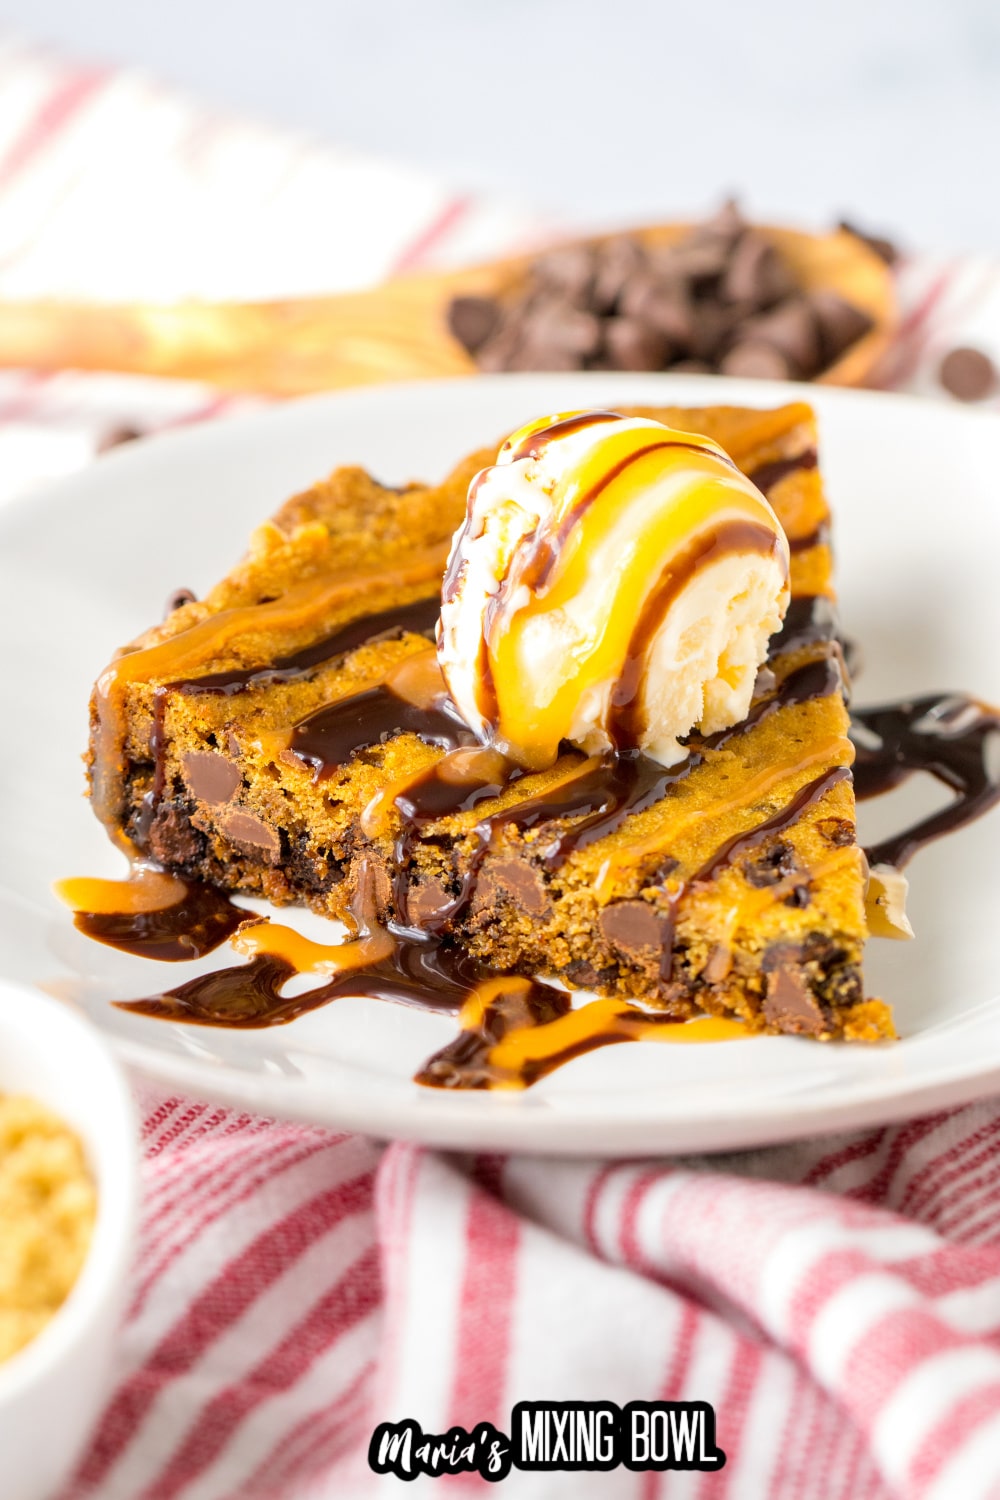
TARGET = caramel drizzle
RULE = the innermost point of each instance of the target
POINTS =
(602, 793)
(549, 545)
(515, 1039)
(632, 783)
(514, 1035)
(533, 564)
(751, 792)
(742, 843)
(514, 1029)
(152, 914)
(534, 444)
(184, 653)
(626, 723)
(248, 997)
(418, 618)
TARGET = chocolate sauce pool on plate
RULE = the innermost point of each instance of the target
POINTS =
(198, 923)
(952, 737)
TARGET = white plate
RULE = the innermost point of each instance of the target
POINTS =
(916, 494)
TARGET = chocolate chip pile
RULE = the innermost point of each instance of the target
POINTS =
(721, 299)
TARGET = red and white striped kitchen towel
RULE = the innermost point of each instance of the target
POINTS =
(837, 1301)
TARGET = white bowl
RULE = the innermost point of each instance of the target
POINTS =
(52, 1390)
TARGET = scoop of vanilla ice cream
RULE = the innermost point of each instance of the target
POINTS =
(615, 584)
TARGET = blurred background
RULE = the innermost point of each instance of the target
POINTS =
(240, 150)
(586, 111)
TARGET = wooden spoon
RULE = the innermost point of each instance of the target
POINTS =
(396, 331)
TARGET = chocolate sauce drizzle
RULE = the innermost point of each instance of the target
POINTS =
(766, 476)
(417, 618)
(549, 545)
(949, 735)
(176, 599)
(535, 443)
(545, 547)
(741, 843)
(626, 723)
(464, 1063)
(329, 738)
(601, 797)
(819, 537)
(197, 924)
(420, 973)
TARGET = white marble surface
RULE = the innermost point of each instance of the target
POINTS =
(609, 110)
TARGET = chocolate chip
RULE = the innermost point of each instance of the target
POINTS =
(568, 270)
(665, 308)
(968, 374)
(883, 248)
(727, 222)
(757, 361)
(798, 897)
(581, 973)
(840, 323)
(700, 262)
(559, 323)
(542, 354)
(756, 273)
(500, 349)
(789, 1004)
(427, 902)
(790, 328)
(837, 831)
(631, 345)
(472, 320)
(721, 296)
(176, 599)
(718, 965)
(316, 870)
(554, 335)
(715, 327)
(116, 437)
(171, 839)
(210, 776)
(619, 262)
(634, 928)
(691, 367)
(520, 881)
(774, 865)
(663, 870)
(247, 829)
